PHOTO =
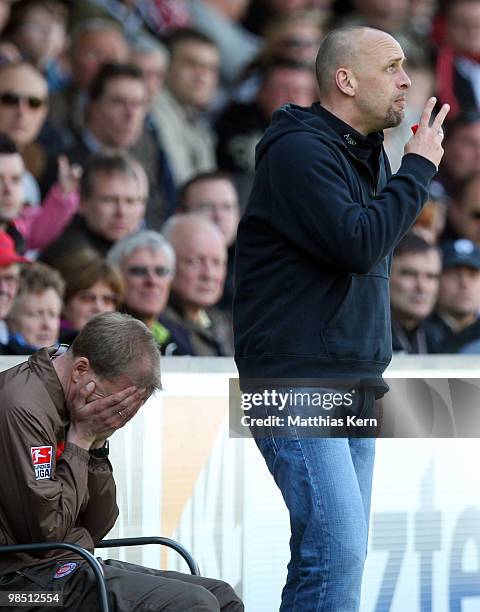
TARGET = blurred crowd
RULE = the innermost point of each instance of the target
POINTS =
(127, 148)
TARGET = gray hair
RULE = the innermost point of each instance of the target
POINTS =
(116, 345)
(148, 239)
(187, 219)
(144, 44)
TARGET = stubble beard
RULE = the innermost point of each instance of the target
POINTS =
(393, 118)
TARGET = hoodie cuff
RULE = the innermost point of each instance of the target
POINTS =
(423, 169)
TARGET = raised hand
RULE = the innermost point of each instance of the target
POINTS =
(427, 140)
(68, 175)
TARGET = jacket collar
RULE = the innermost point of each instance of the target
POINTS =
(41, 365)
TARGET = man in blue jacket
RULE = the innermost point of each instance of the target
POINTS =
(312, 301)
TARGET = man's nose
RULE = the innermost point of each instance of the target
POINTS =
(405, 81)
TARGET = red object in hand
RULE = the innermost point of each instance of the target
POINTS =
(414, 128)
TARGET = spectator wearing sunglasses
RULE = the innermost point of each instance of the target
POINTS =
(92, 286)
(197, 287)
(23, 109)
(147, 263)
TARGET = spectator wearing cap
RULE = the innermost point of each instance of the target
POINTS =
(10, 262)
(463, 217)
(414, 279)
(455, 322)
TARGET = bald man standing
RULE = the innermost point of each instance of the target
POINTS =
(311, 305)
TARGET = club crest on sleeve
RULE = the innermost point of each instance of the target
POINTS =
(42, 461)
(64, 570)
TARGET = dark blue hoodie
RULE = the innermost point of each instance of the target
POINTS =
(314, 250)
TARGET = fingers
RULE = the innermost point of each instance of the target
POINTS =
(82, 395)
(116, 398)
(440, 118)
(427, 112)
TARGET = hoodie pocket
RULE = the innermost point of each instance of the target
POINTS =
(360, 329)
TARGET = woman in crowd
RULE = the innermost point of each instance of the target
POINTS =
(34, 320)
(93, 286)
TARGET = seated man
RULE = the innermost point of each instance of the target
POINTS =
(111, 207)
(197, 286)
(416, 267)
(57, 412)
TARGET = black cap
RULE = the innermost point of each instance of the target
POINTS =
(460, 252)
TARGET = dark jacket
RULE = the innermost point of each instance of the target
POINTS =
(77, 235)
(189, 338)
(314, 250)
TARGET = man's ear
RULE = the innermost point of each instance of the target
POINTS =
(346, 81)
(80, 368)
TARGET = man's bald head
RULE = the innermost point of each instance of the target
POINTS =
(341, 47)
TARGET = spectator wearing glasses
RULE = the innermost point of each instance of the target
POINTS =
(463, 219)
(213, 194)
(10, 265)
(34, 319)
(92, 286)
(112, 206)
(23, 109)
(197, 287)
(147, 263)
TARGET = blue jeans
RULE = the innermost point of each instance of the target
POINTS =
(326, 484)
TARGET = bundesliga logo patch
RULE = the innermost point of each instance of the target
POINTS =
(65, 570)
(42, 461)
